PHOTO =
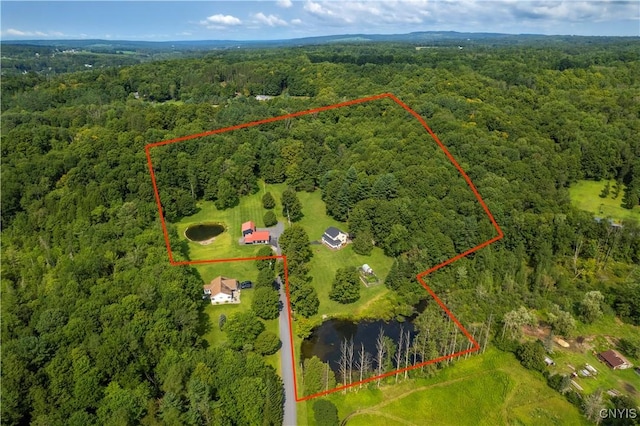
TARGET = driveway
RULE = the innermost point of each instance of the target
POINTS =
(288, 378)
(275, 232)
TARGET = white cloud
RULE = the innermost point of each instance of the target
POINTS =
(12, 32)
(296, 21)
(284, 3)
(221, 20)
(270, 20)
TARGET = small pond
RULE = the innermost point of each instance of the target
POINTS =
(204, 231)
(325, 340)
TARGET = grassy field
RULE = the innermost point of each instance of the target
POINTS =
(585, 196)
(226, 245)
(374, 301)
(492, 389)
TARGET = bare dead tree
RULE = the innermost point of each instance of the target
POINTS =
(350, 359)
(398, 355)
(342, 363)
(454, 346)
(473, 334)
(486, 336)
(407, 341)
(576, 254)
(423, 346)
(326, 378)
(380, 353)
(363, 363)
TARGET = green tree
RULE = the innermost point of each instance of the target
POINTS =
(270, 219)
(291, 206)
(267, 343)
(242, 328)
(265, 303)
(265, 251)
(318, 376)
(268, 202)
(562, 322)
(227, 196)
(265, 279)
(631, 197)
(591, 306)
(325, 413)
(605, 191)
(294, 242)
(346, 286)
(531, 355)
(363, 243)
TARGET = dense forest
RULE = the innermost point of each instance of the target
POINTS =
(98, 328)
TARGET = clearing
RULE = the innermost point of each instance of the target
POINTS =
(585, 195)
(491, 389)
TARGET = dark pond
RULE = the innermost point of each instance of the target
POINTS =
(204, 231)
(325, 339)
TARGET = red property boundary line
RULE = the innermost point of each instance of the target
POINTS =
(420, 276)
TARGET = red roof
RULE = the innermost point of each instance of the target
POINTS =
(248, 225)
(257, 236)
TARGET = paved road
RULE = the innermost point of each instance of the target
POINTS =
(287, 362)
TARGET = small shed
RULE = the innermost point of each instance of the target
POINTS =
(367, 269)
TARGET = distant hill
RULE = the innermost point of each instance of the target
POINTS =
(431, 37)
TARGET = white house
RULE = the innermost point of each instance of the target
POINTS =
(334, 238)
(222, 290)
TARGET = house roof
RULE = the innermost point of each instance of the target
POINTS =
(331, 241)
(257, 236)
(221, 285)
(613, 358)
(333, 232)
(248, 225)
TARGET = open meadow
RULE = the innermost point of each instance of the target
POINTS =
(487, 389)
(585, 195)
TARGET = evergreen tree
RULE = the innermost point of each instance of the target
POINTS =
(270, 219)
(291, 206)
(268, 202)
(325, 413)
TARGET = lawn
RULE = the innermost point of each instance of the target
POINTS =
(374, 301)
(215, 337)
(226, 245)
(586, 196)
(492, 389)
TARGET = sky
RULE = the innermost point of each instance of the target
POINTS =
(286, 19)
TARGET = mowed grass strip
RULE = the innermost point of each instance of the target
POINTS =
(585, 195)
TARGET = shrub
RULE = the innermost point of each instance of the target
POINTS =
(267, 343)
(270, 219)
